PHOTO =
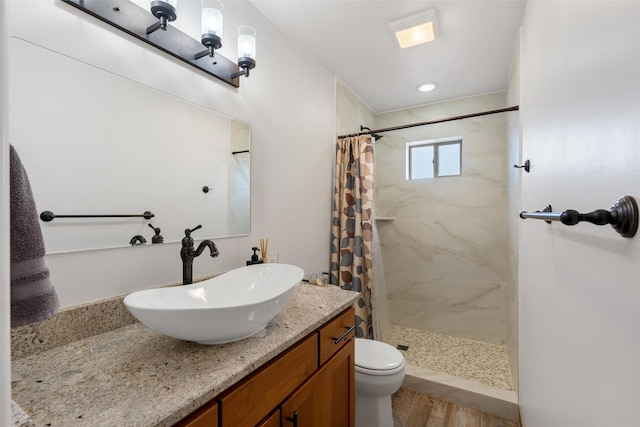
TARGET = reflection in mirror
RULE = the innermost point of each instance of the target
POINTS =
(94, 142)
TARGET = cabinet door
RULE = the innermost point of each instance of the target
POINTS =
(272, 420)
(328, 398)
(338, 388)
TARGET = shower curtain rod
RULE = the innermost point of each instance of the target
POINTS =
(449, 119)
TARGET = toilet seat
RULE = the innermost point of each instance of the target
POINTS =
(377, 358)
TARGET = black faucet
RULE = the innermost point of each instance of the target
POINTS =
(137, 240)
(187, 253)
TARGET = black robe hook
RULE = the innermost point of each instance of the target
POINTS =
(526, 166)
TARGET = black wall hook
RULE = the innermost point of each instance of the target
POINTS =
(526, 166)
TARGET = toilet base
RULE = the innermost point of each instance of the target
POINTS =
(373, 411)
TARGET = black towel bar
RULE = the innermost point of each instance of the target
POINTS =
(48, 216)
(623, 216)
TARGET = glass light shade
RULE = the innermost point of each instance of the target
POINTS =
(212, 17)
(246, 42)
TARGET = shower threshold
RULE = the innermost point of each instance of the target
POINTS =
(468, 372)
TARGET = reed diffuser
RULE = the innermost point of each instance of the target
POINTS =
(264, 245)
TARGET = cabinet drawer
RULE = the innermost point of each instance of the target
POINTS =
(340, 327)
(251, 400)
(204, 417)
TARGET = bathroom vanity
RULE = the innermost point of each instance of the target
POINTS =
(311, 384)
(296, 369)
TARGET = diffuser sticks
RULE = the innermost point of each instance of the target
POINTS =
(264, 245)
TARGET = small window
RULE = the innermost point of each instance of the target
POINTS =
(434, 158)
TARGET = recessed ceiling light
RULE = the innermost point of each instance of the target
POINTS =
(426, 87)
(415, 29)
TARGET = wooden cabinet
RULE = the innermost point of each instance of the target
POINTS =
(203, 417)
(309, 385)
(327, 398)
(255, 397)
(272, 420)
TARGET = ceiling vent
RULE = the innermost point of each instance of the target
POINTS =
(415, 29)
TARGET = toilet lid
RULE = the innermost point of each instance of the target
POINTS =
(377, 356)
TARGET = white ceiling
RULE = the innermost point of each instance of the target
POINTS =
(352, 39)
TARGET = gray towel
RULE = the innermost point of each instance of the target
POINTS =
(33, 298)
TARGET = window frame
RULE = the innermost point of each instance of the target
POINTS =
(436, 144)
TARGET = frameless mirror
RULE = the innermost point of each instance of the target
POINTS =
(96, 143)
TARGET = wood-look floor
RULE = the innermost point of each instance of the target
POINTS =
(411, 409)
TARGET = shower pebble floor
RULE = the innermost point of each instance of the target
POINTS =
(472, 360)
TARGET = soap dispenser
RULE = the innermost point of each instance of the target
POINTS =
(254, 258)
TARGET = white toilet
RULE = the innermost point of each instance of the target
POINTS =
(379, 373)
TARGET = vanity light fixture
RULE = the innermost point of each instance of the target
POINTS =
(138, 22)
(212, 37)
(416, 29)
(165, 11)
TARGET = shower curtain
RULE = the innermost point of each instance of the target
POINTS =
(352, 225)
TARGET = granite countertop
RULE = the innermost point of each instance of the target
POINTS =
(18, 417)
(135, 376)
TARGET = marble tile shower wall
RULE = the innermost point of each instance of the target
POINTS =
(351, 112)
(444, 253)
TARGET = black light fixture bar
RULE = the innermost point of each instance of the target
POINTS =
(133, 20)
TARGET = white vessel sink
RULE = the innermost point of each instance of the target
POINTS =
(226, 308)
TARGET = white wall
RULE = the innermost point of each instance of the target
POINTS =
(5, 310)
(580, 286)
(513, 221)
(289, 102)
